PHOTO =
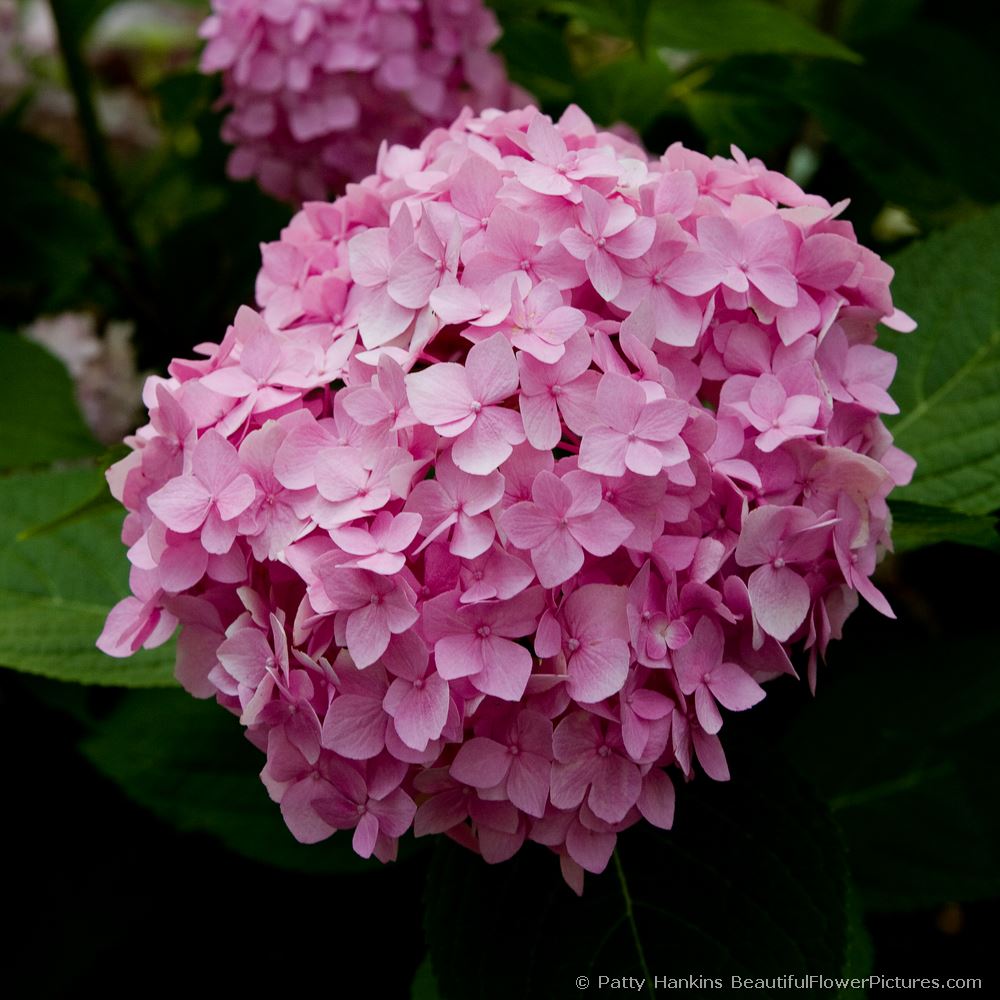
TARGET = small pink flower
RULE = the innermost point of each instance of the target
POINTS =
(633, 432)
(590, 762)
(374, 607)
(460, 401)
(519, 763)
(476, 641)
(210, 497)
(380, 546)
(563, 518)
(702, 673)
(609, 232)
(591, 633)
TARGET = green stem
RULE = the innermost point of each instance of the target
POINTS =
(630, 917)
(101, 173)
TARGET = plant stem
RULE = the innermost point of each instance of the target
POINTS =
(101, 172)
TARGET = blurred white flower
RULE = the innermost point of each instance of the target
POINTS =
(103, 369)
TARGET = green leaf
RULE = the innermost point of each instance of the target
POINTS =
(859, 944)
(752, 881)
(756, 124)
(862, 19)
(424, 986)
(80, 17)
(858, 963)
(630, 89)
(53, 232)
(537, 58)
(917, 138)
(902, 746)
(39, 419)
(724, 27)
(948, 381)
(638, 12)
(187, 762)
(916, 525)
(57, 587)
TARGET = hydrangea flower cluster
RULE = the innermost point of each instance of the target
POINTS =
(314, 87)
(539, 457)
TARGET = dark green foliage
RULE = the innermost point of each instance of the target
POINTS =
(762, 844)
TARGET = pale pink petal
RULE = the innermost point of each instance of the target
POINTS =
(412, 278)
(299, 815)
(604, 274)
(355, 727)
(707, 711)
(556, 558)
(615, 788)
(527, 525)
(598, 670)
(780, 600)
(602, 531)
(656, 800)
(458, 656)
(528, 783)
(365, 835)
(182, 504)
(481, 762)
(506, 669)
(734, 688)
(603, 451)
(488, 442)
(440, 394)
(367, 634)
(491, 370)
(541, 421)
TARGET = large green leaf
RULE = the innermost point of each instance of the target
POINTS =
(53, 232)
(630, 89)
(915, 526)
(948, 381)
(863, 19)
(751, 882)
(39, 419)
(57, 587)
(187, 762)
(424, 986)
(538, 59)
(919, 138)
(723, 27)
(709, 27)
(902, 745)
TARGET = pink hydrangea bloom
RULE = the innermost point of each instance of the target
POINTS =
(570, 504)
(313, 88)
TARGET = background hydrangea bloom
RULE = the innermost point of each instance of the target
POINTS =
(103, 369)
(313, 88)
(539, 457)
